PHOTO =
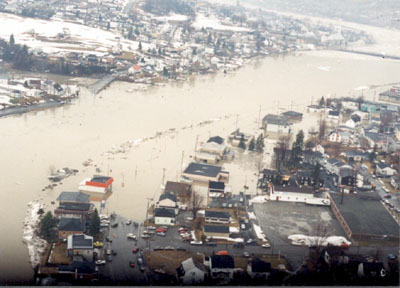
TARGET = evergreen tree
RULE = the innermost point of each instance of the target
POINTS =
(316, 174)
(94, 223)
(260, 143)
(252, 144)
(159, 51)
(297, 149)
(242, 143)
(12, 40)
(322, 101)
(165, 72)
(48, 227)
(372, 155)
(108, 25)
(140, 46)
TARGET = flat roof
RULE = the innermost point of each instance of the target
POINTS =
(203, 170)
(365, 214)
(216, 229)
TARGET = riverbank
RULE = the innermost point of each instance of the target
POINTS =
(16, 110)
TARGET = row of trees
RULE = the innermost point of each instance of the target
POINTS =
(282, 151)
(17, 55)
(48, 225)
(254, 145)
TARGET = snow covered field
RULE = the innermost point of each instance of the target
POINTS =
(35, 244)
(208, 22)
(42, 34)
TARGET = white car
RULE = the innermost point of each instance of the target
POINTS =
(196, 242)
(108, 252)
(131, 236)
(266, 245)
(128, 222)
(100, 262)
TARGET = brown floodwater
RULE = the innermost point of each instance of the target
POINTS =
(67, 136)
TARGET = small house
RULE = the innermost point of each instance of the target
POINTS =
(97, 184)
(217, 217)
(182, 191)
(74, 205)
(69, 226)
(383, 169)
(222, 266)
(333, 115)
(276, 124)
(205, 173)
(164, 216)
(167, 200)
(292, 116)
(191, 272)
(80, 245)
(212, 231)
(258, 269)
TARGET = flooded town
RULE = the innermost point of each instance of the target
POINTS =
(197, 143)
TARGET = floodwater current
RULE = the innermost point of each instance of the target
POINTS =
(67, 136)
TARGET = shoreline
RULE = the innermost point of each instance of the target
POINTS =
(17, 110)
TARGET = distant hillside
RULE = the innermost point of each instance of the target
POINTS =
(382, 13)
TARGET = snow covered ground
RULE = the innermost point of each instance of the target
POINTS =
(213, 23)
(299, 239)
(260, 234)
(42, 34)
(258, 200)
(36, 245)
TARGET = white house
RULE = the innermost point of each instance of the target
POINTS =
(258, 269)
(383, 169)
(164, 216)
(217, 217)
(276, 124)
(168, 200)
(191, 272)
(80, 245)
(333, 115)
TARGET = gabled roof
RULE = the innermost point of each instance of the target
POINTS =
(73, 197)
(275, 120)
(382, 165)
(216, 229)
(222, 261)
(80, 241)
(292, 114)
(216, 139)
(259, 266)
(167, 196)
(164, 212)
(72, 224)
(190, 264)
(217, 214)
(203, 169)
(333, 113)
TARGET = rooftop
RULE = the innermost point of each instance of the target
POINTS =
(74, 197)
(259, 266)
(222, 261)
(213, 185)
(365, 214)
(217, 214)
(80, 241)
(75, 206)
(177, 187)
(216, 139)
(72, 224)
(167, 196)
(164, 212)
(275, 120)
(203, 169)
(100, 179)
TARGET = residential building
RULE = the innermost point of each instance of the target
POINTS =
(292, 116)
(164, 216)
(74, 205)
(182, 191)
(168, 200)
(191, 272)
(236, 136)
(222, 266)
(258, 269)
(333, 165)
(347, 176)
(205, 173)
(217, 217)
(333, 115)
(216, 189)
(356, 156)
(392, 95)
(212, 231)
(383, 169)
(80, 245)
(97, 184)
(68, 226)
(276, 124)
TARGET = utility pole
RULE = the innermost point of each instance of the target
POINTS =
(183, 153)
(147, 208)
(163, 176)
(195, 147)
(237, 120)
(259, 117)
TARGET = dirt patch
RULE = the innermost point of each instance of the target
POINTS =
(169, 260)
(59, 255)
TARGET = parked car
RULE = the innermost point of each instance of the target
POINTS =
(211, 243)
(169, 248)
(391, 257)
(108, 239)
(250, 241)
(388, 196)
(142, 268)
(135, 250)
(114, 225)
(180, 249)
(246, 254)
(151, 228)
(182, 229)
(265, 245)
(131, 264)
(100, 262)
(114, 252)
(109, 258)
(158, 248)
(161, 234)
(131, 236)
(98, 244)
(139, 260)
(196, 242)
(108, 252)
(128, 222)
(161, 229)
(145, 236)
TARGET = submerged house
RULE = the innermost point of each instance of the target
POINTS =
(97, 184)
(74, 205)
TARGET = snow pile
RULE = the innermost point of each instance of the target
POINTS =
(299, 239)
(258, 199)
(233, 229)
(259, 233)
(36, 245)
(236, 240)
(252, 216)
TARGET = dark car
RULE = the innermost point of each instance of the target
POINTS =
(109, 258)
(142, 267)
(114, 252)
(131, 264)
(211, 243)
(108, 239)
(114, 225)
(180, 249)
(135, 250)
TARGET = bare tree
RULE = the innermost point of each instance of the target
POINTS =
(281, 150)
(320, 234)
(196, 203)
